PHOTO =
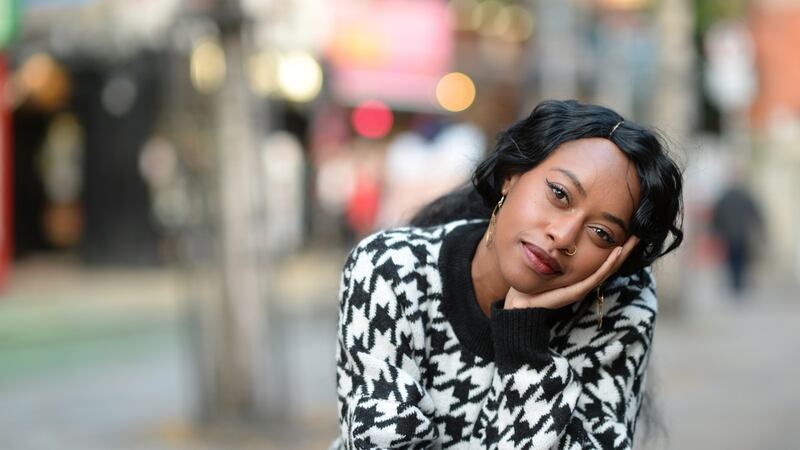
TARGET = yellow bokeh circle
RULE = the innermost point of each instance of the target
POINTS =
(455, 92)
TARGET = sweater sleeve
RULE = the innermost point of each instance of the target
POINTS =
(581, 390)
(382, 403)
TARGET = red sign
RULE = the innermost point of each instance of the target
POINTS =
(6, 237)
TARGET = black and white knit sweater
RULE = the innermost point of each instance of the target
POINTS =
(420, 366)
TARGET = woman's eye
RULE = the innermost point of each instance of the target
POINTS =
(558, 192)
(603, 234)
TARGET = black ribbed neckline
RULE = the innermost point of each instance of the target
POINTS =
(459, 304)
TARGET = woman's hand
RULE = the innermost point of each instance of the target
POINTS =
(566, 295)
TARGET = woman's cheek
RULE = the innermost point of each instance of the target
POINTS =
(589, 265)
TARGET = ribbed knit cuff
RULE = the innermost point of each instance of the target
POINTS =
(521, 336)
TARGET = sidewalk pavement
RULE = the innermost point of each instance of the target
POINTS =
(98, 359)
(724, 373)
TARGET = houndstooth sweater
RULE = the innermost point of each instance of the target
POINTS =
(420, 366)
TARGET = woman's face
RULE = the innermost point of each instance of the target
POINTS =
(580, 198)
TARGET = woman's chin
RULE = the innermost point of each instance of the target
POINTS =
(524, 280)
(531, 288)
(536, 287)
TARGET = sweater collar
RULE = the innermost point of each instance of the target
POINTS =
(459, 304)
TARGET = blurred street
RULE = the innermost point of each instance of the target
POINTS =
(99, 359)
(725, 374)
(180, 181)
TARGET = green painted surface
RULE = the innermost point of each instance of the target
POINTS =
(9, 17)
(46, 335)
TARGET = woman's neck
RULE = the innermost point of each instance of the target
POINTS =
(487, 280)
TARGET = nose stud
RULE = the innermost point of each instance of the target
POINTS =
(572, 251)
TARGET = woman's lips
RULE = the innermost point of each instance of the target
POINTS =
(539, 260)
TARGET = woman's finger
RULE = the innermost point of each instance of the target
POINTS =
(568, 294)
(612, 263)
(559, 297)
(627, 249)
(607, 268)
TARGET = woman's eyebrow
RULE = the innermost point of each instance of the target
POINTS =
(617, 221)
(574, 179)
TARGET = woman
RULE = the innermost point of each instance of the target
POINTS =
(524, 324)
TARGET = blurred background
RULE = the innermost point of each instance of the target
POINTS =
(180, 181)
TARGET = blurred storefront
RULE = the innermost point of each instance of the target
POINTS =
(85, 94)
(346, 79)
(9, 19)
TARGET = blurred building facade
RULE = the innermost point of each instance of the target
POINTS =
(9, 20)
(776, 126)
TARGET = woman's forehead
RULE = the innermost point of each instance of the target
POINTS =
(596, 166)
(596, 149)
(593, 156)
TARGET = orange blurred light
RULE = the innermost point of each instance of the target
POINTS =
(44, 81)
(455, 92)
(372, 119)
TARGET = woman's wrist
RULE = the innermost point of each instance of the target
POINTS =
(521, 335)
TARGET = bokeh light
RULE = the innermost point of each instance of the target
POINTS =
(455, 92)
(372, 119)
(44, 81)
(513, 23)
(208, 67)
(119, 95)
(483, 16)
(299, 76)
(262, 73)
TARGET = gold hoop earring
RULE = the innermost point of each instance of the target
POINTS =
(574, 250)
(493, 220)
(600, 299)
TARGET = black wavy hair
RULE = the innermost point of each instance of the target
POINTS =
(552, 123)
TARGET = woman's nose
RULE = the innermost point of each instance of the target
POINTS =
(563, 230)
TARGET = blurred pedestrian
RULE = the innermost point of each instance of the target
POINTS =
(738, 223)
(516, 312)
